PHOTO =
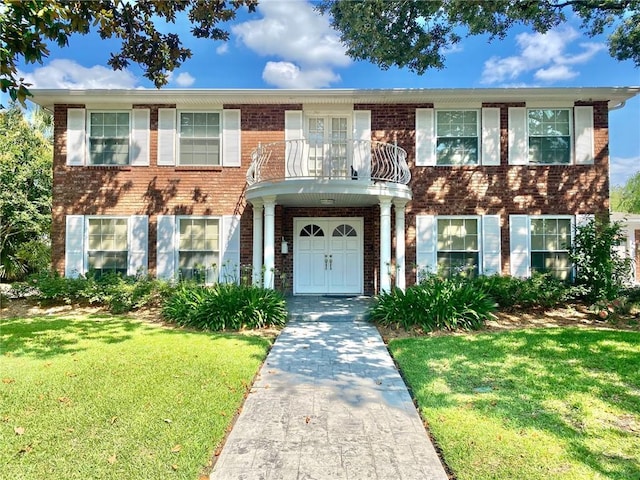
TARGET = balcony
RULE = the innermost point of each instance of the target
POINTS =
(361, 161)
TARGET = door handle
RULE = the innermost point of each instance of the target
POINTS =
(326, 262)
(330, 262)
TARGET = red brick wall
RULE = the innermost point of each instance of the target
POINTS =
(502, 190)
(154, 190)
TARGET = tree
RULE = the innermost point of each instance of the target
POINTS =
(26, 27)
(26, 158)
(418, 34)
(630, 195)
(599, 269)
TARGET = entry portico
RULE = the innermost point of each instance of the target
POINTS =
(328, 253)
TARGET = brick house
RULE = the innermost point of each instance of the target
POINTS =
(326, 191)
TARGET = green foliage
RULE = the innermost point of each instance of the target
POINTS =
(119, 294)
(600, 271)
(25, 197)
(628, 196)
(540, 290)
(615, 198)
(435, 304)
(418, 35)
(26, 27)
(225, 307)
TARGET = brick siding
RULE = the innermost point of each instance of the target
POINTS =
(465, 190)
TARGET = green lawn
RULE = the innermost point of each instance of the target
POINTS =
(535, 404)
(107, 397)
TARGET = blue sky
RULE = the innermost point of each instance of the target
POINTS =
(286, 44)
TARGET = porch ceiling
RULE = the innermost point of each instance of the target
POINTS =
(326, 193)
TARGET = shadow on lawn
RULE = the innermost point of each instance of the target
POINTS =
(512, 376)
(45, 337)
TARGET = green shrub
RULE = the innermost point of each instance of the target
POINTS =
(117, 293)
(435, 304)
(599, 269)
(538, 291)
(225, 307)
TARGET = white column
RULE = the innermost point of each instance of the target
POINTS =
(400, 249)
(269, 240)
(258, 242)
(385, 244)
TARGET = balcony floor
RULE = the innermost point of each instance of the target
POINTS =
(311, 192)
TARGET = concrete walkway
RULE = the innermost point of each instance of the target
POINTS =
(328, 404)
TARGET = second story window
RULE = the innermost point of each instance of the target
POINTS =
(549, 136)
(109, 138)
(199, 134)
(457, 137)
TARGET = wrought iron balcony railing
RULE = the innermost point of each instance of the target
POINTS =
(341, 159)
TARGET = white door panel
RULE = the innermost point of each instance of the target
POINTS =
(328, 256)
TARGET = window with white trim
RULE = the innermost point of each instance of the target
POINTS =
(109, 133)
(108, 249)
(457, 133)
(549, 136)
(458, 249)
(328, 147)
(550, 244)
(199, 249)
(199, 138)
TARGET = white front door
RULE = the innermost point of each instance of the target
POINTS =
(328, 255)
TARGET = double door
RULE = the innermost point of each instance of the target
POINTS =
(328, 257)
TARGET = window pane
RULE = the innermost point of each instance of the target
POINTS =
(557, 264)
(453, 263)
(109, 138)
(457, 151)
(199, 249)
(458, 234)
(549, 136)
(199, 138)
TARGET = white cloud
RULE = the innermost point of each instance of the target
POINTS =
(289, 75)
(294, 33)
(62, 73)
(555, 72)
(545, 54)
(222, 49)
(184, 79)
(621, 169)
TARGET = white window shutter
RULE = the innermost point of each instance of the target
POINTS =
(426, 232)
(425, 137)
(166, 247)
(491, 259)
(231, 138)
(518, 141)
(584, 145)
(139, 148)
(230, 268)
(490, 136)
(294, 151)
(166, 136)
(519, 239)
(76, 135)
(138, 244)
(74, 246)
(583, 219)
(362, 149)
